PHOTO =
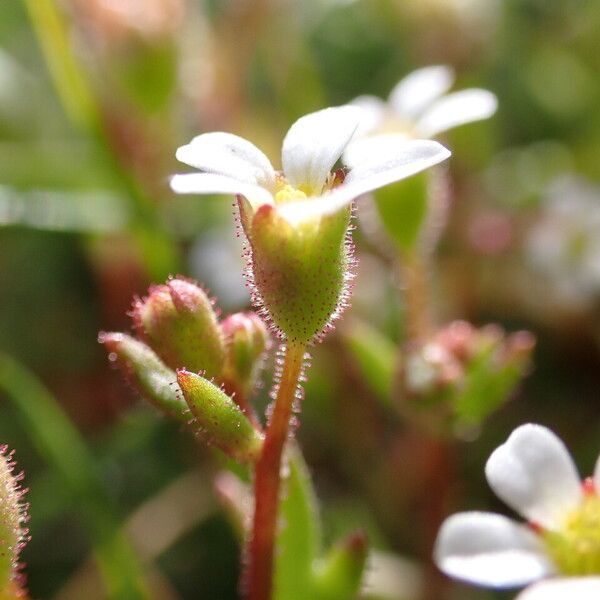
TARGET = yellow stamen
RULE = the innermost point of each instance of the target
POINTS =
(288, 193)
(575, 548)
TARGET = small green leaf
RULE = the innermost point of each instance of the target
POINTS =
(403, 208)
(339, 575)
(298, 541)
(487, 386)
(376, 356)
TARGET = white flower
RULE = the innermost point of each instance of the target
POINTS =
(417, 107)
(306, 188)
(564, 244)
(534, 474)
(572, 588)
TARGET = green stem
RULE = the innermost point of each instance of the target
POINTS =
(259, 572)
(62, 446)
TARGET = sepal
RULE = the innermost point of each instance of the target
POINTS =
(299, 272)
(146, 372)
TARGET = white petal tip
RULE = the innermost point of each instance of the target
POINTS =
(535, 475)
(490, 550)
(574, 588)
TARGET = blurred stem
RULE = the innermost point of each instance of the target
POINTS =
(61, 445)
(414, 277)
(81, 105)
(259, 571)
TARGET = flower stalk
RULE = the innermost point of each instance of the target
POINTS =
(414, 277)
(258, 578)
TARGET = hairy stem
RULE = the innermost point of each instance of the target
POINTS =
(259, 571)
(415, 281)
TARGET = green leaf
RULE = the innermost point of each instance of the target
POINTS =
(376, 356)
(487, 386)
(148, 73)
(403, 207)
(339, 575)
(298, 541)
(89, 212)
(61, 445)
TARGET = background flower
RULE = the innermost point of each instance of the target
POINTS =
(534, 474)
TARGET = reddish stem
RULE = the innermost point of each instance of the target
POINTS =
(259, 571)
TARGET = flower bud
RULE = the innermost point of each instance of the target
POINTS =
(340, 573)
(13, 534)
(178, 321)
(462, 374)
(246, 339)
(219, 419)
(146, 372)
(299, 271)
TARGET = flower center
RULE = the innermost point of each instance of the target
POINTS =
(575, 548)
(288, 193)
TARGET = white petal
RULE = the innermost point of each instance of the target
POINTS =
(597, 476)
(208, 183)
(573, 588)
(315, 142)
(361, 150)
(490, 550)
(534, 474)
(373, 113)
(228, 154)
(413, 94)
(457, 109)
(388, 164)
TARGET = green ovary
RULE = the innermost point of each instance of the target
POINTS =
(575, 548)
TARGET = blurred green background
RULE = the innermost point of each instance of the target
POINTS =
(95, 96)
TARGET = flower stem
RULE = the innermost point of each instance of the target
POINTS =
(259, 571)
(415, 281)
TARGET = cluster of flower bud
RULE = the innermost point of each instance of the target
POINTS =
(463, 372)
(193, 367)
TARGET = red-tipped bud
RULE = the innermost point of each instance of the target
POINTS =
(13, 534)
(146, 372)
(246, 339)
(178, 321)
(219, 419)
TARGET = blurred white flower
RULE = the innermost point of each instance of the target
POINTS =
(564, 244)
(418, 107)
(307, 187)
(575, 588)
(534, 474)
